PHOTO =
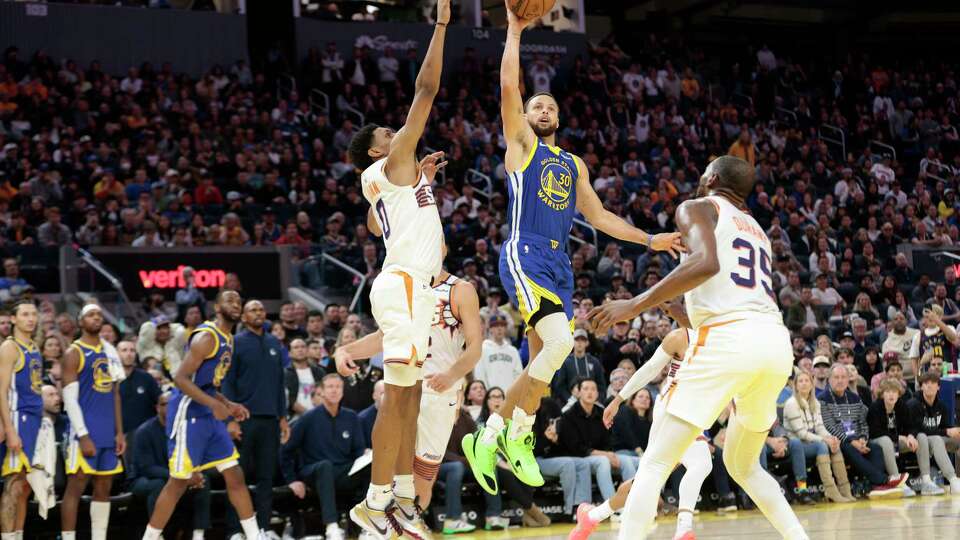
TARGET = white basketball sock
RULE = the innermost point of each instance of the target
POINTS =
(403, 486)
(601, 512)
(151, 533)
(250, 528)
(99, 519)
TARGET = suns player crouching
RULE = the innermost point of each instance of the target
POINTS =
(696, 459)
(456, 338)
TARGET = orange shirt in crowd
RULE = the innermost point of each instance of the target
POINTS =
(746, 152)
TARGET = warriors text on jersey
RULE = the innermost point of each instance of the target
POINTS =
(210, 373)
(410, 222)
(446, 337)
(96, 393)
(744, 282)
(534, 265)
(24, 394)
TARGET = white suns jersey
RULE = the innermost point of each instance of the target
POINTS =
(744, 283)
(410, 222)
(446, 336)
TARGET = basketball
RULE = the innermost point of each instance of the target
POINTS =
(531, 9)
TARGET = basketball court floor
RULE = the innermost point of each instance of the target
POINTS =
(928, 518)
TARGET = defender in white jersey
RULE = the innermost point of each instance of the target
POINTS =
(456, 338)
(404, 211)
(696, 459)
(741, 350)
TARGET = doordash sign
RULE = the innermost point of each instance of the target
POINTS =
(173, 279)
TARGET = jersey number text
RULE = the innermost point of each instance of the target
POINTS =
(750, 263)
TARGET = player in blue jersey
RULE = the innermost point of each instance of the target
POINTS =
(21, 411)
(95, 441)
(547, 186)
(197, 435)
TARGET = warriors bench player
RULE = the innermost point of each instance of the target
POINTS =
(742, 349)
(401, 300)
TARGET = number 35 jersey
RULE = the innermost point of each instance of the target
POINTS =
(743, 287)
(410, 222)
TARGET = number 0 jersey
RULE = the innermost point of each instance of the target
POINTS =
(744, 282)
(410, 222)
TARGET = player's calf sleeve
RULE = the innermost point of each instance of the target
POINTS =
(99, 519)
(554, 330)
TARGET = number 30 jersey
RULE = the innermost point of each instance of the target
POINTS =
(410, 222)
(744, 284)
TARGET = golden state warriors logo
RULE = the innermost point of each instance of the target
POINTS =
(102, 381)
(556, 181)
(223, 366)
(36, 375)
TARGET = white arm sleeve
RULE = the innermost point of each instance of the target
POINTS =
(645, 374)
(71, 402)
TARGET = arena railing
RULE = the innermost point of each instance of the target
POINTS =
(319, 101)
(834, 135)
(886, 149)
(475, 177)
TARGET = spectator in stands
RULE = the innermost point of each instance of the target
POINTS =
(582, 434)
(188, 295)
(573, 473)
(631, 427)
(368, 416)
(473, 398)
(821, 373)
(138, 391)
(580, 364)
(256, 381)
(499, 363)
(803, 422)
(618, 345)
(149, 469)
(323, 445)
(288, 318)
(358, 388)
(935, 433)
(52, 351)
(845, 417)
(6, 326)
(316, 328)
(494, 306)
(163, 340)
(891, 428)
(933, 334)
(300, 379)
(53, 232)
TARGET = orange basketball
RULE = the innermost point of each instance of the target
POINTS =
(531, 9)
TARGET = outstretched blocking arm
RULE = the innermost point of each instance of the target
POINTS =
(606, 221)
(404, 144)
(520, 138)
(467, 306)
(696, 220)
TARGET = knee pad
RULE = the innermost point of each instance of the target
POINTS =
(554, 330)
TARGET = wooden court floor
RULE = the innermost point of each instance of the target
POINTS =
(917, 518)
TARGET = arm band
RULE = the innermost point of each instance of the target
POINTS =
(645, 374)
(71, 402)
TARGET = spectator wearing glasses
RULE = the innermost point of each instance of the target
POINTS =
(845, 417)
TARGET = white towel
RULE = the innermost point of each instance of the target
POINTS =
(43, 468)
(116, 366)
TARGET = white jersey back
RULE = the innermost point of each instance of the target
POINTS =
(744, 283)
(410, 222)
(446, 336)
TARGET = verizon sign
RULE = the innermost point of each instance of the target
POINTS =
(173, 279)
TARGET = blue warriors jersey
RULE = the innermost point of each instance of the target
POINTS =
(24, 394)
(96, 394)
(213, 369)
(534, 265)
(543, 196)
